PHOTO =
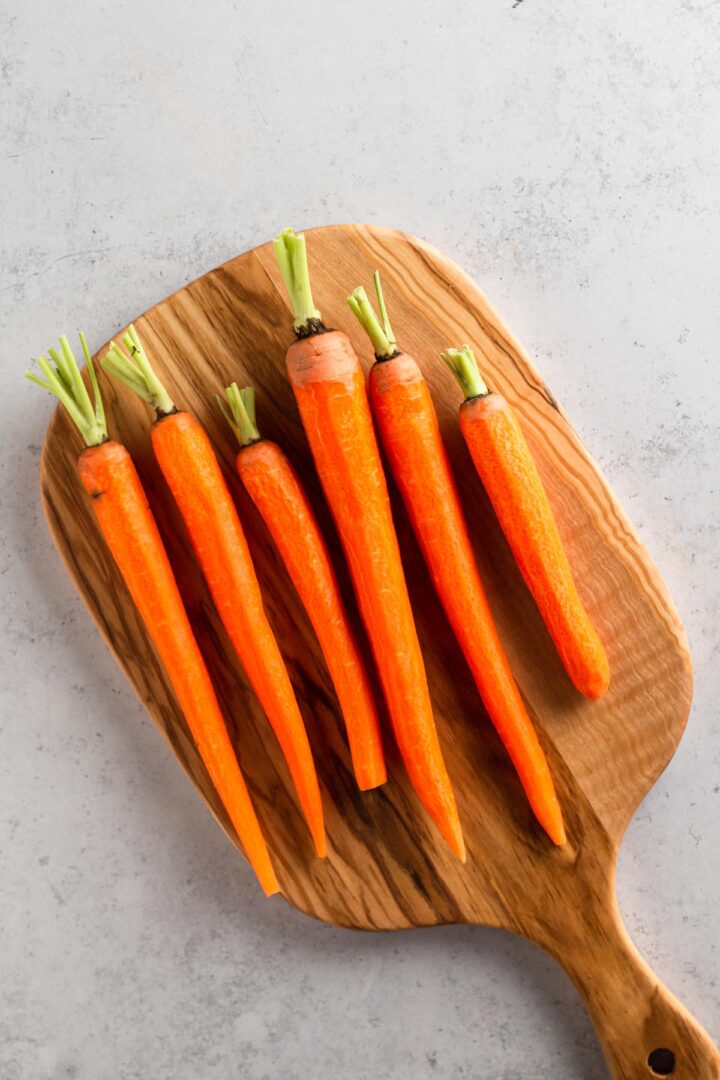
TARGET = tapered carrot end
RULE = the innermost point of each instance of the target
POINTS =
(447, 820)
(316, 822)
(311, 803)
(599, 684)
(593, 679)
(371, 784)
(458, 848)
(369, 779)
(259, 859)
(269, 884)
(552, 822)
(557, 831)
(456, 841)
(321, 846)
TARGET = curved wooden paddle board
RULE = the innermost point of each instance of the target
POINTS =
(388, 867)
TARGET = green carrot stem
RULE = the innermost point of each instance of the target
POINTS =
(465, 368)
(383, 310)
(63, 379)
(381, 334)
(291, 256)
(133, 369)
(239, 411)
(99, 404)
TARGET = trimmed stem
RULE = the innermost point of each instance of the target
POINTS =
(383, 339)
(465, 368)
(291, 256)
(99, 404)
(239, 411)
(133, 369)
(66, 383)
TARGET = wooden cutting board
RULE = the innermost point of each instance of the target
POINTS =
(388, 867)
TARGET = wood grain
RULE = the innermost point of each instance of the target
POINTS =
(388, 867)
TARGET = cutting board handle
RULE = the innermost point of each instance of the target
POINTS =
(645, 1031)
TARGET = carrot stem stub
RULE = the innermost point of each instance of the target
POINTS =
(239, 411)
(291, 257)
(129, 530)
(380, 332)
(407, 424)
(508, 471)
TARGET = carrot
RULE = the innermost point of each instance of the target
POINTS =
(275, 488)
(194, 477)
(511, 478)
(128, 528)
(329, 387)
(409, 433)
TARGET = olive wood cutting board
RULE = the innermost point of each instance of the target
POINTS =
(387, 866)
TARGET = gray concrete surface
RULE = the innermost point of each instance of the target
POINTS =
(567, 155)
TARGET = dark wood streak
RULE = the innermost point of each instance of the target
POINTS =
(387, 867)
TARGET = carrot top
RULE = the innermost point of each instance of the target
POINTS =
(63, 379)
(134, 370)
(291, 256)
(465, 368)
(239, 411)
(381, 334)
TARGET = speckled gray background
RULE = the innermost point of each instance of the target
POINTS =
(567, 155)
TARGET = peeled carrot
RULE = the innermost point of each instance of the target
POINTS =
(128, 527)
(508, 471)
(275, 489)
(329, 387)
(195, 479)
(409, 433)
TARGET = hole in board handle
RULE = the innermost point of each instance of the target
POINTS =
(661, 1061)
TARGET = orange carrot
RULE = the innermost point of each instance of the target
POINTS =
(510, 476)
(193, 474)
(128, 527)
(329, 387)
(407, 424)
(275, 488)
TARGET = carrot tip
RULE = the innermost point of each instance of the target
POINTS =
(552, 822)
(559, 836)
(371, 783)
(598, 687)
(321, 847)
(457, 845)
